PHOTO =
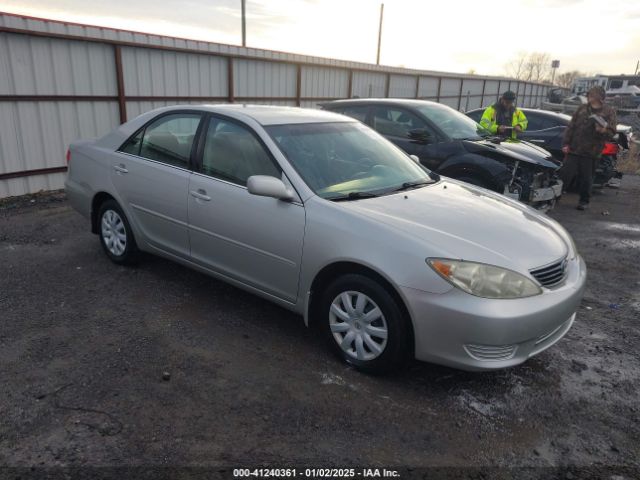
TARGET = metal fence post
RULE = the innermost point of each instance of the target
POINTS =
(299, 86)
(230, 88)
(122, 103)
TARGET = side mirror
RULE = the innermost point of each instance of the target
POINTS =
(267, 186)
(419, 135)
(415, 158)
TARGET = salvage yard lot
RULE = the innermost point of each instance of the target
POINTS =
(84, 344)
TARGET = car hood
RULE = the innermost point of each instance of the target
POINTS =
(516, 149)
(457, 220)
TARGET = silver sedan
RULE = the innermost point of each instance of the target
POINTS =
(321, 215)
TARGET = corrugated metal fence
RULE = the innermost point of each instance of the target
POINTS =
(61, 81)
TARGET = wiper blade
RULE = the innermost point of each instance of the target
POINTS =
(410, 185)
(353, 196)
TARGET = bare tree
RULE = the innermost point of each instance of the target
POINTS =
(531, 67)
(539, 66)
(516, 66)
(566, 79)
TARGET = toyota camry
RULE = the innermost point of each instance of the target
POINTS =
(322, 215)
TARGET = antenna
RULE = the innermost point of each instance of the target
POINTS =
(380, 33)
(244, 23)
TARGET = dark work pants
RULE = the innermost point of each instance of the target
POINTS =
(581, 167)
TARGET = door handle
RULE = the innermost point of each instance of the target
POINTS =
(536, 140)
(200, 194)
(120, 168)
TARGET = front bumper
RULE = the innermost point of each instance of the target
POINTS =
(547, 194)
(471, 333)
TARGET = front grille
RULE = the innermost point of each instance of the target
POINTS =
(551, 275)
(491, 352)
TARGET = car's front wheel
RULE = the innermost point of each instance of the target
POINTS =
(115, 233)
(364, 324)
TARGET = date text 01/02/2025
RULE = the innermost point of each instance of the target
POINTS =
(315, 473)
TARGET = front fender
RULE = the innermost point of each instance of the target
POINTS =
(490, 169)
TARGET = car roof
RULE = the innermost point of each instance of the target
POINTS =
(548, 113)
(407, 102)
(264, 114)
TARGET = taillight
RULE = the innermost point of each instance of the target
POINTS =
(610, 149)
(68, 155)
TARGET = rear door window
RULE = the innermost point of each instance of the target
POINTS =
(357, 112)
(169, 139)
(132, 145)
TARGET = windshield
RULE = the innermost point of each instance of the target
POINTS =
(342, 159)
(454, 124)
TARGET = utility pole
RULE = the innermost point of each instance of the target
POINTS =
(244, 23)
(554, 66)
(380, 33)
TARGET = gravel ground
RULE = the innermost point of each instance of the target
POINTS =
(158, 365)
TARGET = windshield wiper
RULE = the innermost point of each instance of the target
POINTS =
(352, 196)
(410, 185)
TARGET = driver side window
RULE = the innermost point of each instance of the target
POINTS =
(232, 153)
(395, 122)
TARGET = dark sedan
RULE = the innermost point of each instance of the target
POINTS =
(546, 129)
(449, 143)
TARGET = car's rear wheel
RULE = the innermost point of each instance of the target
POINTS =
(364, 324)
(115, 233)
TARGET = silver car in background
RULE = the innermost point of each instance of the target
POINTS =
(323, 216)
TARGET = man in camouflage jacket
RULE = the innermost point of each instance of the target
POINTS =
(584, 140)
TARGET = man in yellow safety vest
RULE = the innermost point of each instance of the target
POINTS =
(504, 118)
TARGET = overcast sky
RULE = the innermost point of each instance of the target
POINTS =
(457, 36)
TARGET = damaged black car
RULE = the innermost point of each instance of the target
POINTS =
(546, 129)
(451, 144)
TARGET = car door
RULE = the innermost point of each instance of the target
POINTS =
(543, 132)
(395, 123)
(533, 133)
(151, 175)
(252, 239)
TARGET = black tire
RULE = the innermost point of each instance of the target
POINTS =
(396, 347)
(122, 255)
(478, 182)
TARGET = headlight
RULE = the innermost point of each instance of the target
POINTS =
(484, 280)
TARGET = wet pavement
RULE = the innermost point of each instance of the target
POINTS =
(158, 365)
